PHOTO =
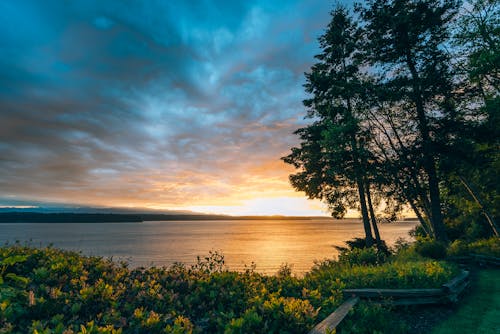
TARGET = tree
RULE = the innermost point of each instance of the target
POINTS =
(478, 37)
(332, 159)
(472, 189)
(406, 46)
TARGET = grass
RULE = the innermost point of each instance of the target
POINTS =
(480, 309)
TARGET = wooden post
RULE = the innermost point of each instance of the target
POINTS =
(334, 319)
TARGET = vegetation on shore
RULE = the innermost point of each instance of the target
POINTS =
(54, 291)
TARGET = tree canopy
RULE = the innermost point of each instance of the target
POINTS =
(398, 114)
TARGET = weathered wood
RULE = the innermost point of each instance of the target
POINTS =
(334, 319)
(486, 259)
(453, 296)
(448, 292)
(393, 293)
(461, 258)
(477, 259)
(451, 286)
(413, 301)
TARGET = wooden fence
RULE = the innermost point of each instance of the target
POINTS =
(448, 292)
(484, 260)
(334, 319)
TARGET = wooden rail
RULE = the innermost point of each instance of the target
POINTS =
(448, 292)
(399, 296)
(477, 259)
(335, 318)
(455, 287)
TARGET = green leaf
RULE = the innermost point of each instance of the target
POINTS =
(11, 260)
(17, 279)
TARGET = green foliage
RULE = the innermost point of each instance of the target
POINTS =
(430, 248)
(332, 159)
(393, 274)
(54, 291)
(281, 314)
(362, 256)
(489, 247)
(370, 318)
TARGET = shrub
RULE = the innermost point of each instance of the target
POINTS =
(458, 248)
(430, 248)
(489, 247)
(362, 256)
(54, 291)
(368, 318)
(361, 243)
(396, 274)
(287, 315)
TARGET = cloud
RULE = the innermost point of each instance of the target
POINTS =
(161, 104)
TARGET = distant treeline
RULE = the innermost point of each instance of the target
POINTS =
(157, 217)
(38, 217)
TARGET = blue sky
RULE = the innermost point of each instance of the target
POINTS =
(159, 104)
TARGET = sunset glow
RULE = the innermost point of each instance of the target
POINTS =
(169, 105)
(292, 206)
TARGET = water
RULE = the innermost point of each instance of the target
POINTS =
(267, 243)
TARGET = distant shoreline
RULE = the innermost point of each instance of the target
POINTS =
(95, 218)
(90, 218)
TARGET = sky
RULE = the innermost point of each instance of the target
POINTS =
(172, 105)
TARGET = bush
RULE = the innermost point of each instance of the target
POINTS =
(362, 256)
(360, 243)
(54, 291)
(458, 248)
(489, 247)
(396, 274)
(368, 318)
(430, 248)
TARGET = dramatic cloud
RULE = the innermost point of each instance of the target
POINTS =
(163, 104)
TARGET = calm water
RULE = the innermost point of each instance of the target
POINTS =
(268, 243)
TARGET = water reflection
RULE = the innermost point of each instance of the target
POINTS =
(268, 243)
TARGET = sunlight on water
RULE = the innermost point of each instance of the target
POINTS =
(267, 243)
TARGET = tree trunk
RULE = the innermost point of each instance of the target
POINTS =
(364, 213)
(421, 219)
(475, 196)
(437, 217)
(429, 162)
(372, 216)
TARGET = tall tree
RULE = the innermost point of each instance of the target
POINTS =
(406, 42)
(472, 189)
(332, 158)
(478, 37)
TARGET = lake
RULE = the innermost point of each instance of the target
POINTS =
(267, 243)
